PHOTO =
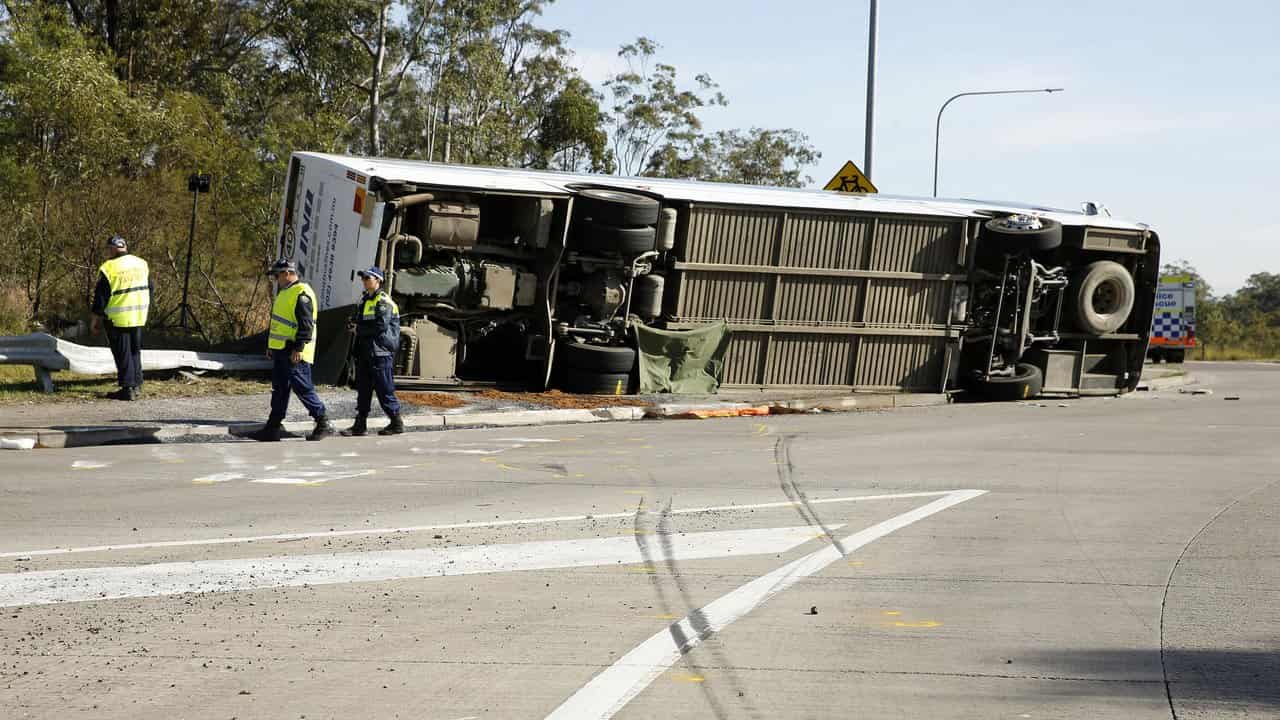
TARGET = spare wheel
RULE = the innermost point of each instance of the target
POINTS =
(1104, 297)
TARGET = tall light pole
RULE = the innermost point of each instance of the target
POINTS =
(937, 133)
(871, 88)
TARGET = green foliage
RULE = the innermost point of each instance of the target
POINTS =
(1242, 326)
(650, 110)
(755, 157)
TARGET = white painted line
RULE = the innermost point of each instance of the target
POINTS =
(203, 576)
(617, 685)
(312, 477)
(449, 526)
(218, 478)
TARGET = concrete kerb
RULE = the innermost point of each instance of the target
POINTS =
(110, 435)
(73, 437)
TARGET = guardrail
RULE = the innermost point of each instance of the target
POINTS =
(46, 354)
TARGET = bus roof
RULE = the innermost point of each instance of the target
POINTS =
(470, 177)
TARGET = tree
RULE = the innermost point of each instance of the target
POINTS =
(1260, 296)
(70, 122)
(569, 134)
(650, 110)
(356, 53)
(754, 157)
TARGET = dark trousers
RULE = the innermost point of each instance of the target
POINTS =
(126, 349)
(286, 377)
(375, 373)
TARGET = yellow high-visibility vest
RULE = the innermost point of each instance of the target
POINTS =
(284, 320)
(130, 294)
(370, 309)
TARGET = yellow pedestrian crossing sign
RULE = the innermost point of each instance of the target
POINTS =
(851, 180)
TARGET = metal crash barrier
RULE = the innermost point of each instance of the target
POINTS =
(46, 354)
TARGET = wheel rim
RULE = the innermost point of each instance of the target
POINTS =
(1020, 223)
(1106, 298)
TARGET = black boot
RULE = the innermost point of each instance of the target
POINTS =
(359, 428)
(395, 427)
(323, 429)
(267, 433)
(121, 394)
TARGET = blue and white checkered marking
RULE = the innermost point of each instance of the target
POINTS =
(1167, 326)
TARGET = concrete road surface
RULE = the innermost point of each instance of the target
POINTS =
(1075, 559)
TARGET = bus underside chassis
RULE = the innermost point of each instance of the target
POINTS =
(463, 268)
(605, 282)
(1044, 318)
(485, 281)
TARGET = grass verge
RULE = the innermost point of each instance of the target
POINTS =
(18, 386)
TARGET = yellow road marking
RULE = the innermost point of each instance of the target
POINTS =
(892, 612)
(689, 678)
(922, 624)
(667, 616)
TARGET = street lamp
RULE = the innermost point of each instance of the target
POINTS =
(937, 133)
(870, 129)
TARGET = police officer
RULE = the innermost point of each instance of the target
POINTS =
(123, 297)
(376, 325)
(291, 345)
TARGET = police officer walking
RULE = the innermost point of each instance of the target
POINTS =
(123, 297)
(376, 325)
(291, 344)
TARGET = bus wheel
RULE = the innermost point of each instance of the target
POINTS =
(621, 209)
(626, 241)
(586, 382)
(1104, 297)
(1025, 383)
(1014, 233)
(597, 358)
(1176, 356)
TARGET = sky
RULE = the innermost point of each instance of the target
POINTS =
(1170, 113)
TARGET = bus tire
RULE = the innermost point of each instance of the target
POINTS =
(585, 382)
(1177, 357)
(626, 241)
(597, 358)
(1104, 297)
(621, 209)
(1008, 236)
(1025, 383)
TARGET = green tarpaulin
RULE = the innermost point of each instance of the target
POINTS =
(682, 361)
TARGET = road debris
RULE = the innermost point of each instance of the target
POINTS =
(1196, 391)
(1231, 397)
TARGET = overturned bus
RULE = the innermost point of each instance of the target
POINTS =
(539, 279)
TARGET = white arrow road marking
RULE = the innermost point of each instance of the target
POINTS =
(434, 528)
(612, 689)
(107, 583)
